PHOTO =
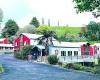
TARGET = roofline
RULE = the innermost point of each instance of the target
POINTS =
(63, 47)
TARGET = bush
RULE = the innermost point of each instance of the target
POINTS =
(1, 68)
(77, 66)
(18, 55)
(52, 59)
(23, 53)
(96, 70)
(60, 63)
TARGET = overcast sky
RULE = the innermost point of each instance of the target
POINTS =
(22, 12)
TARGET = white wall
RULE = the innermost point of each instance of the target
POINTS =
(65, 58)
(52, 50)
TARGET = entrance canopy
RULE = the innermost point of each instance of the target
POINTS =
(40, 46)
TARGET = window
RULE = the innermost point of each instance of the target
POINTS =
(16, 44)
(69, 53)
(11, 47)
(63, 53)
(6, 47)
(25, 43)
(56, 52)
(75, 53)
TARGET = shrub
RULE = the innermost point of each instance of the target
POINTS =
(96, 70)
(18, 55)
(60, 63)
(52, 59)
(70, 65)
(1, 68)
(23, 53)
(76, 66)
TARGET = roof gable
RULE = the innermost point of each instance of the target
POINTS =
(32, 36)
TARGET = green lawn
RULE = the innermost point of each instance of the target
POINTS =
(1, 68)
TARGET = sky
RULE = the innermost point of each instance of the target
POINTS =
(63, 11)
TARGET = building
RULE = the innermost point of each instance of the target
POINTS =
(4, 41)
(70, 52)
(67, 51)
(98, 48)
(5, 46)
(26, 39)
(29, 39)
(88, 50)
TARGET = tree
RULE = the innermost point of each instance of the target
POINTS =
(10, 28)
(1, 15)
(35, 22)
(46, 39)
(27, 29)
(88, 6)
(93, 31)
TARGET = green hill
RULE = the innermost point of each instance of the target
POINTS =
(61, 30)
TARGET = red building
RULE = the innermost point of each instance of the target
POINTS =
(88, 50)
(5, 46)
(4, 41)
(26, 39)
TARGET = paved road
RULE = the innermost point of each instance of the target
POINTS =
(24, 70)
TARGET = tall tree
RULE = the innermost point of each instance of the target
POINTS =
(46, 39)
(35, 22)
(27, 29)
(88, 6)
(10, 28)
(1, 15)
(93, 31)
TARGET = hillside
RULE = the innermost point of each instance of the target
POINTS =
(61, 30)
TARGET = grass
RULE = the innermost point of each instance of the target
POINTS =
(1, 68)
(93, 42)
(61, 30)
(76, 66)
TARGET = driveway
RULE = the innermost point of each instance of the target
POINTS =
(24, 70)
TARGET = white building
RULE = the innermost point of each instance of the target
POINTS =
(67, 51)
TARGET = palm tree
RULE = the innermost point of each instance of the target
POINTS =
(47, 39)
